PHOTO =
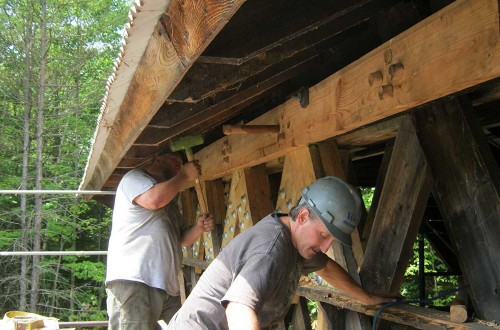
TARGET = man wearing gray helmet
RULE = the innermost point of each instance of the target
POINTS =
(250, 285)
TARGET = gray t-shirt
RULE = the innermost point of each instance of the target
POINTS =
(145, 244)
(259, 268)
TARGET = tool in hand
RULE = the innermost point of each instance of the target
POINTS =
(186, 143)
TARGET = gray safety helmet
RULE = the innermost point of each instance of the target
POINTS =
(336, 203)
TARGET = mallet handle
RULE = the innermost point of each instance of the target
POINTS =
(197, 185)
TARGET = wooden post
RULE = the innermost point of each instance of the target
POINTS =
(467, 191)
(249, 201)
(399, 213)
(300, 317)
(215, 205)
(376, 195)
(312, 163)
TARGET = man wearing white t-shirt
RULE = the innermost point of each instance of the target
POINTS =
(144, 253)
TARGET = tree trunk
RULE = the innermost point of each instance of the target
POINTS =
(23, 284)
(37, 238)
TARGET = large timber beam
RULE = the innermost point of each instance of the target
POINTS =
(417, 317)
(399, 213)
(456, 48)
(467, 184)
(148, 73)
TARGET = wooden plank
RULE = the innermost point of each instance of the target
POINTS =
(300, 317)
(467, 191)
(299, 161)
(402, 203)
(189, 212)
(329, 317)
(215, 199)
(195, 262)
(257, 201)
(378, 190)
(231, 221)
(214, 192)
(461, 42)
(156, 74)
(418, 317)
(222, 110)
(249, 201)
(318, 36)
(332, 161)
(191, 25)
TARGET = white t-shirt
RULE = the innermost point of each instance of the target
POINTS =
(145, 244)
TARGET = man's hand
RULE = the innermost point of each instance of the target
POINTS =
(205, 222)
(379, 299)
(190, 171)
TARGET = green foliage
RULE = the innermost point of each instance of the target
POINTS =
(434, 285)
(83, 39)
(7, 238)
(312, 306)
(88, 270)
(367, 195)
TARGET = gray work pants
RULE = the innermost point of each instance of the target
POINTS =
(136, 306)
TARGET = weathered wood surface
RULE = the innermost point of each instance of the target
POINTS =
(455, 48)
(299, 171)
(370, 218)
(467, 190)
(399, 213)
(331, 161)
(418, 317)
(166, 56)
(214, 193)
(300, 318)
(249, 201)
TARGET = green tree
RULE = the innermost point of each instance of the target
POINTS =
(62, 79)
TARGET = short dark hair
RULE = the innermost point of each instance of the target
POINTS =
(294, 212)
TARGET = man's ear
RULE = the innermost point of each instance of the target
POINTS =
(303, 215)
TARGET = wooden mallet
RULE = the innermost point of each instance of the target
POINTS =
(186, 143)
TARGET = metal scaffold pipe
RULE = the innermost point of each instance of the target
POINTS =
(55, 192)
(51, 253)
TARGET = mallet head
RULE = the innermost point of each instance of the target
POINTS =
(185, 142)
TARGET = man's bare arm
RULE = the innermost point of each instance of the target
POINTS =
(242, 317)
(336, 276)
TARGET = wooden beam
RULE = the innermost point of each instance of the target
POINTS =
(174, 118)
(250, 129)
(418, 317)
(222, 109)
(166, 57)
(399, 213)
(214, 193)
(300, 317)
(318, 36)
(370, 218)
(467, 184)
(455, 48)
(249, 201)
(329, 160)
(300, 161)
